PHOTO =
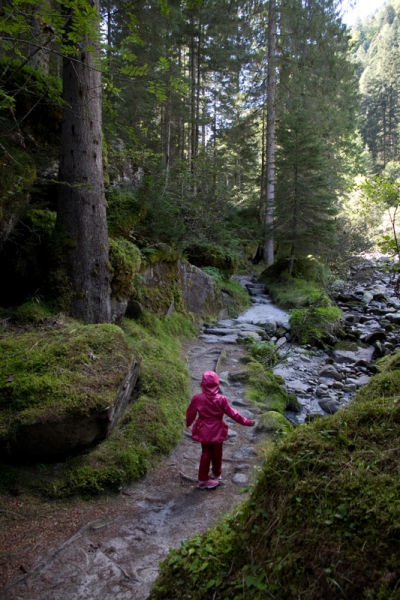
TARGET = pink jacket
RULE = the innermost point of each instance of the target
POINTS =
(211, 407)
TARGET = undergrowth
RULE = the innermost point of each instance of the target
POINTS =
(150, 426)
(239, 299)
(322, 522)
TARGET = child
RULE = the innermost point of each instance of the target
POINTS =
(210, 429)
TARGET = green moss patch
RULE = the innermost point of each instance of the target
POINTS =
(125, 261)
(151, 424)
(322, 522)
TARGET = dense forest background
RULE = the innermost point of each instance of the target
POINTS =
(182, 94)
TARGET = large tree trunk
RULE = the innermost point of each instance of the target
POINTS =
(270, 166)
(81, 212)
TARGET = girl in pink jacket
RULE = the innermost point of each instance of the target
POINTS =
(210, 429)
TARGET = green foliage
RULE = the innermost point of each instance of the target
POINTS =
(322, 521)
(204, 254)
(124, 212)
(263, 352)
(150, 426)
(216, 274)
(291, 292)
(125, 261)
(308, 268)
(315, 325)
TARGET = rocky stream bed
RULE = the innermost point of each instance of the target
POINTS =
(110, 549)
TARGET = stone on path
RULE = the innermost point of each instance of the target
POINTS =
(245, 452)
(239, 478)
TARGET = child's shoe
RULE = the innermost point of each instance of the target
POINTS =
(215, 477)
(207, 485)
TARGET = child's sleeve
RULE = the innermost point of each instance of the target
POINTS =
(235, 415)
(191, 412)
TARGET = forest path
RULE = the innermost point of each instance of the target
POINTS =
(115, 554)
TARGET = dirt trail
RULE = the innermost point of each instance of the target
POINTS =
(115, 554)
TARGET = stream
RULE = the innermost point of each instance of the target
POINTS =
(116, 557)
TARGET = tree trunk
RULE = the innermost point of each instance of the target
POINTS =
(81, 210)
(270, 166)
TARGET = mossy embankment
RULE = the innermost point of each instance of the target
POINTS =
(322, 521)
(56, 367)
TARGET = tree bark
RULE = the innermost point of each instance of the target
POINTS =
(81, 210)
(270, 166)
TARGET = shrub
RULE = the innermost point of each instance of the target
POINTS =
(206, 254)
(315, 325)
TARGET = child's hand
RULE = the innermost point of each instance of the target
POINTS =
(252, 423)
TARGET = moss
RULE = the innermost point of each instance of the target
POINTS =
(125, 262)
(158, 298)
(383, 385)
(151, 424)
(264, 388)
(239, 298)
(389, 363)
(31, 312)
(322, 522)
(273, 422)
(48, 373)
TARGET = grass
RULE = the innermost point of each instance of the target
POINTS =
(151, 425)
(323, 519)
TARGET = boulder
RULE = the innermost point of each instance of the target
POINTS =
(351, 353)
(329, 405)
(191, 289)
(331, 372)
(86, 378)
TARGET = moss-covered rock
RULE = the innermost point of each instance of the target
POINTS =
(273, 422)
(182, 287)
(58, 386)
(265, 388)
(151, 424)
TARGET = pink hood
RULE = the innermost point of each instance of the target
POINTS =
(210, 384)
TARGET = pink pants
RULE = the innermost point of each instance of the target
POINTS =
(210, 454)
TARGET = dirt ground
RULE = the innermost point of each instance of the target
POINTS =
(110, 548)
